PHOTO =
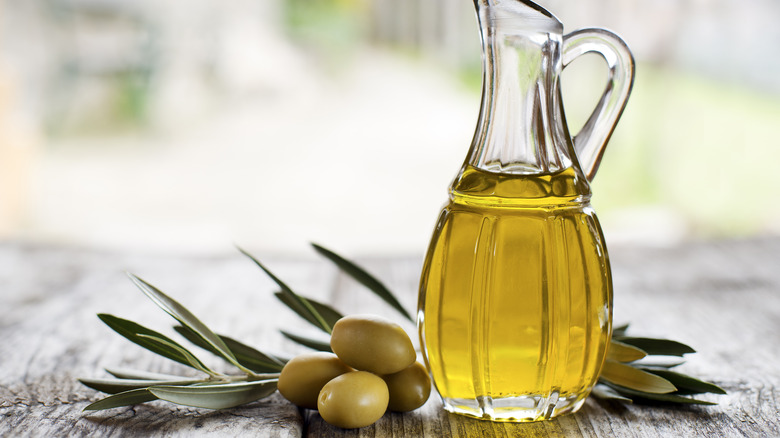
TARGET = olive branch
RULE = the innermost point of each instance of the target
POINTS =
(634, 369)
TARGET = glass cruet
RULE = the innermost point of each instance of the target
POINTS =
(515, 304)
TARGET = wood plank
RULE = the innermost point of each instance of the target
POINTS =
(723, 298)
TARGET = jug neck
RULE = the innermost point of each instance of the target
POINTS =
(521, 128)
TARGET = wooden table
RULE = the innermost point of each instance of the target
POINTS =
(723, 298)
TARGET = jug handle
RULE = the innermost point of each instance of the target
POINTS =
(592, 139)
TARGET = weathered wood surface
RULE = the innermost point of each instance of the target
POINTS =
(723, 298)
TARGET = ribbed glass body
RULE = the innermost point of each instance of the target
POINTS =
(515, 298)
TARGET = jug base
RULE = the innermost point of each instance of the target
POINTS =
(519, 409)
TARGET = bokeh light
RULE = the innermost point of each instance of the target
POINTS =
(191, 126)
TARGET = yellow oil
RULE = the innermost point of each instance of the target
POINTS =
(515, 298)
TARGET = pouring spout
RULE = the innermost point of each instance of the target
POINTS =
(517, 15)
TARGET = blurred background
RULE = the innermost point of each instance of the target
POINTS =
(174, 126)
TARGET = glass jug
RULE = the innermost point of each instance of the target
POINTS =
(515, 305)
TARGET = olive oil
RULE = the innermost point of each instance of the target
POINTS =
(515, 298)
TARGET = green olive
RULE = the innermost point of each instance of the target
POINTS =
(303, 377)
(352, 400)
(409, 388)
(372, 343)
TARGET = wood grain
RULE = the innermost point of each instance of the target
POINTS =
(723, 298)
(51, 336)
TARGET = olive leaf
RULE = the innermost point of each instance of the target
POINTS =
(364, 278)
(249, 357)
(309, 312)
(666, 398)
(127, 398)
(653, 362)
(686, 384)
(115, 386)
(653, 346)
(123, 373)
(605, 392)
(193, 361)
(329, 314)
(186, 318)
(138, 334)
(619, 330)
(624, 352)
(634, 378)
(638, 380)
(312, 343)
(218, 396)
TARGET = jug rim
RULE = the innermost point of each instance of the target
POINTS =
(522, 14)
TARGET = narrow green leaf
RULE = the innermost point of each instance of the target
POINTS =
(115, 386)
(127, 398)
(255, 378)
(686, 384)
(619, 330)
(364, 278)
(193, 361)
(255, 357)
(665, 398)
(311, 314)
(623, 352)
(655, 346)
(634, 378)
(652, 363)
(605, 392)
(222, 396)
(315, 344)
(329, 314)
(249, 357)
(123, 373)
(186, 318)
(136, 332)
